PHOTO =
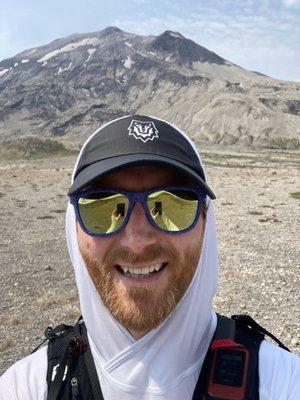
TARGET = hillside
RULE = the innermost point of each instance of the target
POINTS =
(69, 87)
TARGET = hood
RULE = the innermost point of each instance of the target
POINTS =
(168, 358)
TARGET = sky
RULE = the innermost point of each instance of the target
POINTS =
(259, 35)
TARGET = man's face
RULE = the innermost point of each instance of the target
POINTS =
(141, 303)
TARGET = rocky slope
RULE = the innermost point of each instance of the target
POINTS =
(69, 87)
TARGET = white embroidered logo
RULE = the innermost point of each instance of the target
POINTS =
(144, 130)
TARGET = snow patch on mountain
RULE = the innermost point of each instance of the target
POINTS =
(31, 51)
(70, 47)
(63, 69)
(128, 62)
(4, 71)
(25, 61)
(137, 51)
(91, 52)
(176, 35)
(16, 64)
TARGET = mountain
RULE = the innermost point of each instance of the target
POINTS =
(69, 87)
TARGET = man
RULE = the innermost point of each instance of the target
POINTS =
(142, 239)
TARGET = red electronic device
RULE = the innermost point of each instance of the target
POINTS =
(229, 370)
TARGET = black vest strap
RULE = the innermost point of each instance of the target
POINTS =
(245, 321)
(91, 368)
(228, 328)
(71, 371)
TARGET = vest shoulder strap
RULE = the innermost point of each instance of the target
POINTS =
(237, 331)
(71, 373)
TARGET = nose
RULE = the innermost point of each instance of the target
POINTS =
(138, 233)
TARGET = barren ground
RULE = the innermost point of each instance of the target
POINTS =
(258, 198)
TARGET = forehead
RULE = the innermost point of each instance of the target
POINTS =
(142, 177)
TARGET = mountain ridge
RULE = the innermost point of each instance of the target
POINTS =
(70, 86)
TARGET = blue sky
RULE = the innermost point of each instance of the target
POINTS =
(261, 35)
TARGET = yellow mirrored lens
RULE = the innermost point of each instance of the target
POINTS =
(173, 210)
(103, 212)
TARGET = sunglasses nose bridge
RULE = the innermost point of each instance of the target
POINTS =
(138, 198)
(135, 197)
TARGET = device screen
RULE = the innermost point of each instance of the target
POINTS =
(229, 368)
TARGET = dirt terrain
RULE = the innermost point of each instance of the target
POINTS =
(257, 207)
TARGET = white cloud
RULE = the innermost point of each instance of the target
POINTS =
(291, 3)
(266, 42)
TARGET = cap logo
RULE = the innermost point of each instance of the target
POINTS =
(144, 130)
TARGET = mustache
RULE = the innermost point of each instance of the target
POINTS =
(152, 253)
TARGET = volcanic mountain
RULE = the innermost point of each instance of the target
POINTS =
(69, 87)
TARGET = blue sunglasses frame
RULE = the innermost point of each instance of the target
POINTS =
(135, 197)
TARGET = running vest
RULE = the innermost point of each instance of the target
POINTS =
(230, 368)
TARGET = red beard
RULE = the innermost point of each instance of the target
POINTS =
(142, 308)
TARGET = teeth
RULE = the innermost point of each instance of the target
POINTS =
(141, 271)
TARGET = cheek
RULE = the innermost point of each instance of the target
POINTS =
(194, 238)
(95, 247)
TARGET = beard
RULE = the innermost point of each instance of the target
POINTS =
(142, 308)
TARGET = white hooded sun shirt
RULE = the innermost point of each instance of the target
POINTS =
(166, 362)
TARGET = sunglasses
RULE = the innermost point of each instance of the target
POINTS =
(170, 209)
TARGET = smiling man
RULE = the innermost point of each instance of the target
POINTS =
(142, 272)
(142, 239)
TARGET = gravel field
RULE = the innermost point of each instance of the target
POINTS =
(257, 207)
